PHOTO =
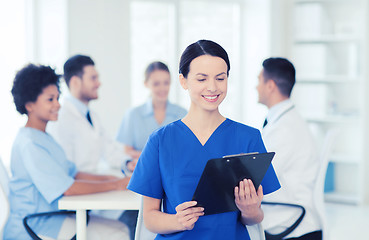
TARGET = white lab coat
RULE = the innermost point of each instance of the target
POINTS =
(83, 144)
(297, 165)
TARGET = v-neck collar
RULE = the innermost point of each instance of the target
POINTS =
(218, 129)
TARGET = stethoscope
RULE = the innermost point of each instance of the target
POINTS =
(283, 113)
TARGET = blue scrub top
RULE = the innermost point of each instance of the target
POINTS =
(171, 165)
(41, 174)
(140, 122)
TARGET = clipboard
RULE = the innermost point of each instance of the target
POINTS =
(215, 190)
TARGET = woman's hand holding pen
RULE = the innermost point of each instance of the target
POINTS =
(187, 215)
(248, 202)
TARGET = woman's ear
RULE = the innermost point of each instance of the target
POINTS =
(183, 81)
(29, 107)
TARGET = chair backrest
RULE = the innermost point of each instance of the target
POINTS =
(142, 233)
(4, 178)
(4, 203)
(319, 186)
(256, 232)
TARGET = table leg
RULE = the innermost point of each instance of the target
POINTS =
(81, 224)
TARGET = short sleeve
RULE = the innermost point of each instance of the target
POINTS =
(72, 169)
(270, 181)
(50, 177)
(125, 132)
(258, 145)
(146, 178)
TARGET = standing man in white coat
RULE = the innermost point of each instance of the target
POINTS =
(296, 162)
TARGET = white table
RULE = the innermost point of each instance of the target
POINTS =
(113, 200)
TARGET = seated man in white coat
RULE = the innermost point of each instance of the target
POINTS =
(296, 162)
(79, 130)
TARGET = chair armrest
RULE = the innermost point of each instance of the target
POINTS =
(32, 234)
(256, 231)
(292, 227)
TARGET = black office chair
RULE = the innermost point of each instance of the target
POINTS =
(33, 235)
(281, 235)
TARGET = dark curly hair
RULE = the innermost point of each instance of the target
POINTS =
(29, 83)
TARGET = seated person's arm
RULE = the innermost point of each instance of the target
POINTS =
(134, 154)
(163, 223)
(248, 202)
(86, 186)
(94, 177)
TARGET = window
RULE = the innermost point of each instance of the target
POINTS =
(161, 31)
(14, 55)
(152, 35)
(35, 31)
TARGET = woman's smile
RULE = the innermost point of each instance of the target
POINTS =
(211, 98)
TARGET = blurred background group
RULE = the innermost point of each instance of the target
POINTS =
(327, 40)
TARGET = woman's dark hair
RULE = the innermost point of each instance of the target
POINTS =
(282, 72)
(74, 66)
(29, 83)
(199, 48)
(153, 67)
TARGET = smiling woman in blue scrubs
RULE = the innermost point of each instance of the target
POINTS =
(41, 173)
(139, 122)
(175, 155)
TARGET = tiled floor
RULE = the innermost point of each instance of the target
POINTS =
(347, 222)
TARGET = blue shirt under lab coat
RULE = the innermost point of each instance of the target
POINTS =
(172, 162)
(140, 122)
(41, 174)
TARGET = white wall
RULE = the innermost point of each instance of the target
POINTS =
(48, 33)
(100, 29)
(256, 47)
(13, 55)
(366, 117)
(280, 27)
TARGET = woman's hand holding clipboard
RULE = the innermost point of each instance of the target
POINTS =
(215, 191)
